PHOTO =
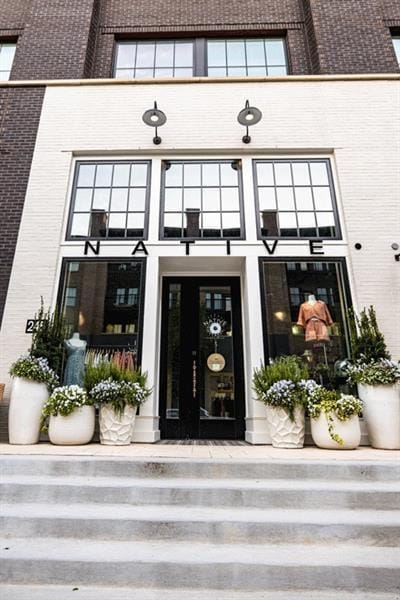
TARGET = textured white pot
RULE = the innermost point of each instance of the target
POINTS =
(74, 429)
(382, 414)
(284, 432)
(25, 410)
(116, 429)
(349, 431)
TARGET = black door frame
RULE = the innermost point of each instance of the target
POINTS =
(190, 425)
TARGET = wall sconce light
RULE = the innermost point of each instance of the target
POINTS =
(249, 115)
(155, 118)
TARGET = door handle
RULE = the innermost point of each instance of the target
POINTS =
(194, 379)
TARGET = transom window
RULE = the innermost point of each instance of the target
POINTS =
(7, 53)
(110, 200)
(295, 199)
(154, 59)
(396, 44)
(201, 200)
(246, 57)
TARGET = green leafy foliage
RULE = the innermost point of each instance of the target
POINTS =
(367, 341)
(331, 402)
(49, 336)
(381, 372)
(284, 368)
(35, 369)
(108, 370)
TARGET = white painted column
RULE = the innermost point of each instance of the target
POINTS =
(256, 421)
(147, 422)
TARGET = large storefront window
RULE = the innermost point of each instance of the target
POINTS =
(103, 302)
(305, 305)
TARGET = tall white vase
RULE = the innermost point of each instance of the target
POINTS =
(74, 429)
(284, 432)
(382, 414)
(25, 410)
(115, 428)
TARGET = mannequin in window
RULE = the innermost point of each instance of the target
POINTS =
(315, 318)
(75, 367)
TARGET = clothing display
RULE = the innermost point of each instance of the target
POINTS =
(315, 318)
(75, 367)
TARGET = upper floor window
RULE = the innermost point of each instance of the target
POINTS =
(396, 44)
(7, 52)
(154, 59)
(295, 198)
(201, 199)
(110, 200)
(200, 57)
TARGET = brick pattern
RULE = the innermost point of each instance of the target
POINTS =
(19, 118)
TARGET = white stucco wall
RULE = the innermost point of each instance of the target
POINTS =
(355, 123)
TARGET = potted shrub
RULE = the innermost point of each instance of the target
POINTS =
(277, 385)
(378, 385)
(334, 419)
(33, 380)
(70, 415)
(118, 393)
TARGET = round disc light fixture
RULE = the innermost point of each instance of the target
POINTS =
(155, 118)
(249, 115)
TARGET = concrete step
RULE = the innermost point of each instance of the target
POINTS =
(201, 468)
(243, 567)
(53, 592)
(250, 493)
(187, 523)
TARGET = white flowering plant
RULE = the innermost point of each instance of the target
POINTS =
(288, 394)
(35, 369)
(118, 393)
(332, 402)
(379, 372)
(64, 400)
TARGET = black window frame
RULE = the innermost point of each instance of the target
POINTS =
(242, 235)
(306, 159)
(70, 238)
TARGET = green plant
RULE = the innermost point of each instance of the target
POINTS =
(64, 400)
(108, 370)
(284, 368)
(331, 402)
(49, 336)
(119, 394)
(35, 369)
(367, 341)
(381, 372)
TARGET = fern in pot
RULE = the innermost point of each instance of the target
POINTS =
(70, 415)
(277, 385)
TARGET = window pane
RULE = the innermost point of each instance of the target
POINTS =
(282, 174)
(126, 56)
(139, 175)
(144, 73)
(173, 225)
(119, 199)
(163, 72)
(237, 71)
(266, 199)
(217, 72)
(80, 225)
(192, 175)
(229, 175)
(255, 52)
(288, 224)
(183, 54)
(210, 175)
(231, 224)
(145, 55)
(304, 199)
(7, 52)
(211, 224)
(191, 198)
(86, 175)
(265, 175)
(396, 44)
(211, 199)
(277, 71)
(301, 175)
(137, 199)
(135, 225)
(103, 175)
(173, 200)
(319, 175)
(164, 54)
(325, 219)
(230, 199)
(216, 54)
(83, 199)
(236, 54)
(101, 199)
(183, 72)
(257, 71)
(174, 175)
(285, 198)
(116, 225)
(124, 73)
(275, 52)
(121, 175)
(306, 219)
(322, 198)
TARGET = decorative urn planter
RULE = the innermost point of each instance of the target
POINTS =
(284, 432)
(74, 429)
(382, 414)
(25, 410)
(116, 428)
(349, 431)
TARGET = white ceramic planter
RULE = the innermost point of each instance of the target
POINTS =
(382, 414)
(349, 431)
(74, 429)
(25, 410)
(116, 429)
(284, 432)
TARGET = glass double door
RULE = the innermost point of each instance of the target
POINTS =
(201, 370)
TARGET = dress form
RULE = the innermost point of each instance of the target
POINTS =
(75, 367)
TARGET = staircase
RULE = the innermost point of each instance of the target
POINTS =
(86, 528)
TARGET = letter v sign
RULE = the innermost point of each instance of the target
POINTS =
(270, 249)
